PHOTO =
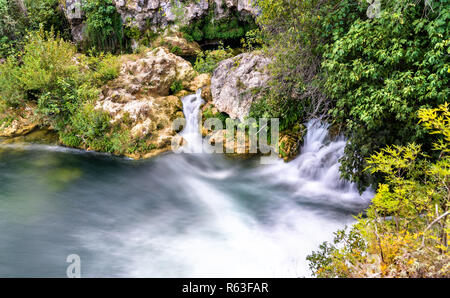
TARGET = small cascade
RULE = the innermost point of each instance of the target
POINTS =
(315, 172)
(191, 132)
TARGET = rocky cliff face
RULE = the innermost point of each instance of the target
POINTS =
(237, 82)
(158, 14)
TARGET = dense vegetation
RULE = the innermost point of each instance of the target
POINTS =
(18, 17)
(366, 76)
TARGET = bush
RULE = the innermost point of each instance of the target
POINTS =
(59, 84)
(103, 67)
(11, 91)
(367, 76)
(46, 67)
(295, 93)
(12, 27)
(207, 61)
(91, 129)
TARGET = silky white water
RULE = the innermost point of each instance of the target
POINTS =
(178, 215)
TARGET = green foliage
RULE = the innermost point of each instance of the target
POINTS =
(253, 40)
(329, 261)
(304, 27)
(406, 231)
(208, 60)
(176, 50)
(104, 30)
(61, 87)
(12, 27)
(368, 76)
(16, 17)
(104, 67)
(381, 72)
(47, 13)
(10, 90)
(91, 129)
(176, 87)
(47, 71)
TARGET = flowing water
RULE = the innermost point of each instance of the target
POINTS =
(177, 215)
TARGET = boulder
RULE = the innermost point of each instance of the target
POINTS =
(237, 82)
(24, 122)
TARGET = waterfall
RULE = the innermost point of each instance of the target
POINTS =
(315, 172)
(191, 132)
(176, 215)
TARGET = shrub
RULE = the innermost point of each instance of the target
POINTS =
(304, 27)
(12, 27)
(47, 65)
(207, 61)
(11, 90)
(103, 67)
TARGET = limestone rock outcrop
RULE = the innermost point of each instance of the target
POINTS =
(237, 82)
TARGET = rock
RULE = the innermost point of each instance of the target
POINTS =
(199, 82)
(139, 98)
(178, 45)
(43, 135)
(24, 123)
(237, 82)
(230, 147)
(161, 13)
(154, 73)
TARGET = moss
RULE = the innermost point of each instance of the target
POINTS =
(176, 87)
(207, 28)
